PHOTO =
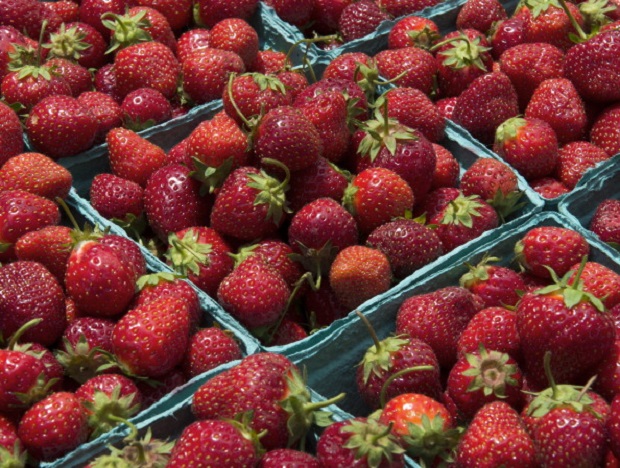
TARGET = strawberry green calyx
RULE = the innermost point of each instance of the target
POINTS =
(491, 372)
(22, 56)
(108, 411)
(316, 261)
(383, 132)
(303, 412)
(508, 130)
(126, 29)
(81, 362)
(477, 273)
(595, 13)
(373, 440)
(271, 191)
(144, 452)
(424, 38)
(464, 52)
(462, 210)
(153, 279)
(243, 253)
(67, 43)
(14, 459)
(80, 235)
(265, 82)
(429, 440)
(187, 254)
(506, 203)
(348, 198)
(377, 357)
(211, 178)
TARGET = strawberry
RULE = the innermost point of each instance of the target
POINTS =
(20, 213)
(288, 331)
(115, 197)
(321, 306)
(398, 8)
(107, 399)
(235, 35)
(529, 145)
(172, 201)
(207, 349)
(78, 41)
(605, 220)
(390, 360)
(11, 134)
(377, 195)
(9, 442)
(604, 132)
(49, 245)
(200, 254)
(61, 126)
(24, 15)
(481, 377)
(281, 457)
(298, 13)
(408, 245)
(557, 102)
(496, 285)
(461, 56)
(53, 427)
(613, 426)
(155, 285)
(351, 89)
(410, 67)
(146, 65)
(359, 442)
(447, 169)
(326, 14)
(250, 204)
(92, 10)
(191, 40)
(496, 436)
(178, 13)
(105, 109)
(558, 248)
(206, 73)
(163, 386)
(413, 30)
(547, 21)
(212, 11)
(321, 180)
(105, 82)
(359, 273)
(128, 250)
(417, 420)
(151, 339)
(101, 283)
(66, 9)
(506, 34)
(132, 156)
(36, 173)
(549, 187)
(438, 318)
(601, 281)
(561, 319)
(480, 15)
(215, 440)
(520, 64)
(254, 293)
(349, 66)
(359, 19)
(77, 77)
(144, 107)
(575, 158)
(488, 101)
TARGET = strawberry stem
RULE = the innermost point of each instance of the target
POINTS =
(371, 330)
(573, 21)
(19, 333)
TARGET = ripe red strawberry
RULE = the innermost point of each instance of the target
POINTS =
(53, 427)
(398, 8)
(321, 306)
(488, 101)
(359, 273)
(24, 15)
(254, 293)
(101, 283)
(520, 63)
(20, 213)
(575, 158)
(480, 15)
(390, 356)
(481, 377)
(115, 197)
(377, 195)
(605, 130)
(461, 56)
(212, 11)
(155, 285)
(163, 386)
(128, 250)
(413, 30)
(132, 156)
(36, 173)
(61, 126)
(235, 35)
(408, 244)
(601, 281)
(359, 19)
(108, 399)
(249, 205)
(79, 41)
(144, 107)
(11, 134)
(349, 66)
(613, 426)
(146, 65)
(496, 285)
(549, 187)
(563, 319)
(320, 180)
(496, 436)
(447, 169)
(298, 13)
(417, 420)
(352, 89)
(172, 201)
(548, 22)
(105, 109)
(191, 40)
(605, 222)
(209, 348)
(506, 34)
(557, 102)
(206, 73)
(376, 440)
(200, 254)
(326, 14)
(92, 10)
(558, 248)
(215, 440)
(105, 82)
(151, 339)
(49, 245)
(438, 318)
(282, 457)
(13, 449)
(178, 13)
(411, 67)
(77, 76)
(529, 145)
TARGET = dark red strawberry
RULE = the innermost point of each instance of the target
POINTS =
(549, 22)
(36, 173)
(144, 107)
(13, 451)
(209, 348)
(212, 11)
(506, 34)
(604, 132)
(549, 187)
(605, 222)
(235, 35)
(398, 8)
(447, 170)
(49, 245)
(410, 67)
(77, 76)
(105, 82)
(53, 427)
(206, 73)
(92, 10)
(321, 180)
(282, 457)
(191, 40)
(480, 15)
(413, 30)
(446, 106)
(601, 281)
(326, 14)
(78, 41)
(351, 89)
(321, 306)
(105, 109)
(115, 197)
(359, 19)
(11, 134)
(178, 13)
(575, 158)
(163, 386)
(128, 250)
